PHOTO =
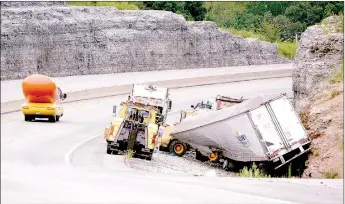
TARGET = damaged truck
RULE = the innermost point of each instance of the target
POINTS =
(136, 123)
(264, 129)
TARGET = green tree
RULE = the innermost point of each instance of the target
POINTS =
(196, 9)
(260, 8)
(268, 17)
(190, 10)
(223, 13)
(247, 21)
(271, 31)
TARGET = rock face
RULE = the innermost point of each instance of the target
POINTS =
(16, 4)
(60, 40)
(319, 54)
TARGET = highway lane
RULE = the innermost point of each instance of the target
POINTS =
(11, 89)
(63, 163)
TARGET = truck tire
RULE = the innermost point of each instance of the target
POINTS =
(109, 151)
(178, 148)
(57, 118)
(27, 118)
(149, 157)
(214, 157)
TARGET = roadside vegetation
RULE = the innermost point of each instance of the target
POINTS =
(285, 49)
(276, 22)
(339, 75)
(253, 172)
(129, 154)
(119, 5)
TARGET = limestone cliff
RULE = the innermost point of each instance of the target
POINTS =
(318, 87)
(319, 55)
(60, 40)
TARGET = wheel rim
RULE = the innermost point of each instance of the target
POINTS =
(178, 148)
(213, 156)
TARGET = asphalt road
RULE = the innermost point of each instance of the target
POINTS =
(11, 89)
(66, 162)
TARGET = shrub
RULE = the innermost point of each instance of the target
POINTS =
(331, 175)
(338, 75)
(129, 154)
(287, 49)
(245, 33)
(253, 172)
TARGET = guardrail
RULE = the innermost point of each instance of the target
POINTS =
(13, 106)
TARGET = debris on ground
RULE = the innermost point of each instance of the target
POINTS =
(165, 163)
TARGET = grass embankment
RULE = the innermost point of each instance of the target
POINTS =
(285, 49)
(118, 5)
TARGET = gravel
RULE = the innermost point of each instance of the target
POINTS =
(164, 163)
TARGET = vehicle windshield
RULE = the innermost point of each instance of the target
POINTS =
(132, 111)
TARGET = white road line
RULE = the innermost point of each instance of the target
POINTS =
(70, 153)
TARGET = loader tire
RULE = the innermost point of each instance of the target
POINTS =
(178, 148)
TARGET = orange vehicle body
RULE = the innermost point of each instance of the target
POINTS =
(40, 89)
(43, 98)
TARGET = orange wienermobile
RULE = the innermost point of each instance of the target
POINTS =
(43, 98)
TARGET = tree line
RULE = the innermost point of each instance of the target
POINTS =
(275, 20)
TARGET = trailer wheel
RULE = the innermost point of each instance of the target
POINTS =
(214, 156)
(178, 148)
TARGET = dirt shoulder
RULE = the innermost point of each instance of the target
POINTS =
(325, 123)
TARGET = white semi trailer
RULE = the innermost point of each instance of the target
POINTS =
(262, 129)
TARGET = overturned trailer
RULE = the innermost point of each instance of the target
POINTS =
(262, 129)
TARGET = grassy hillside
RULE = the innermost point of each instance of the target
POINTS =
(285, 49)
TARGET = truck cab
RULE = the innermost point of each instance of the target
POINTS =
(133, 128)
(136, 121)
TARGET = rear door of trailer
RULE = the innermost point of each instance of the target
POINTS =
(287, 119)
(266, 130)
